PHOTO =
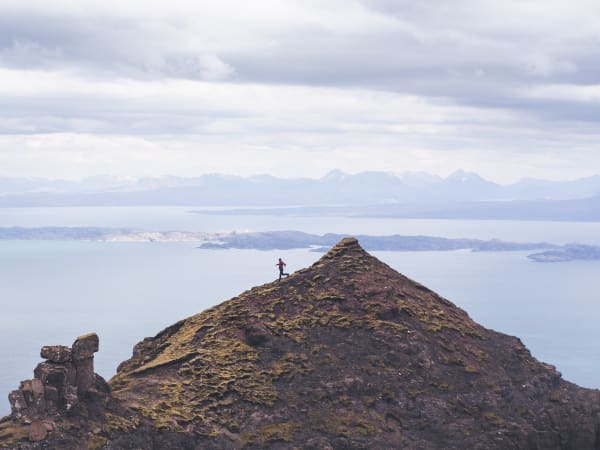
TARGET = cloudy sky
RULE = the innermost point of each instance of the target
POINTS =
(508, 89)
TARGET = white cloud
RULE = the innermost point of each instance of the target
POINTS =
(148, 105)
(565, 92)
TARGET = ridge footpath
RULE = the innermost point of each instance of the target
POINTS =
(345, 354)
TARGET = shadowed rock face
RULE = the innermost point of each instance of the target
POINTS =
(346, 354)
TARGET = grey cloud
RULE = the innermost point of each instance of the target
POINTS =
(486, 70)
(447, 52)
(93, 46)
(420, 38)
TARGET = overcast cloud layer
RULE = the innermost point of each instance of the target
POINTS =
(295, 88)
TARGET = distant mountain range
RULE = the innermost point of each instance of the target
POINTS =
(413, 194)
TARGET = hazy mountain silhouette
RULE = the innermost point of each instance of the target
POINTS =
(411, 194)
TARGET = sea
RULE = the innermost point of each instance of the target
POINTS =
(53, 291)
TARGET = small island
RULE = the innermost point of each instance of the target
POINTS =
(569, 252)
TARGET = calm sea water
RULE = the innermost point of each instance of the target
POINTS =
(52, 292)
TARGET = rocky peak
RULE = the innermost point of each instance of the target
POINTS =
(346, 245)
(348, 249)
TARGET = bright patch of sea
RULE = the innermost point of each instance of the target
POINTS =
(51, 291)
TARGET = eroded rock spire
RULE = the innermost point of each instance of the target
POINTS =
(65, 378)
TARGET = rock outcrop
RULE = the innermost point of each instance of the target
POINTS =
(60, 383)
(346, 354)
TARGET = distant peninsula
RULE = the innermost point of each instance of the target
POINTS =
(283, 240)
(288, 240)
(100, 234)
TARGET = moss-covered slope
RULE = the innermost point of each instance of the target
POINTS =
(347, 353)
(350, 353)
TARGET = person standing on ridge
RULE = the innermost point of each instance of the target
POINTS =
(281, 264)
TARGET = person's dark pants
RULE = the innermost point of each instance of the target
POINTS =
(282, 274)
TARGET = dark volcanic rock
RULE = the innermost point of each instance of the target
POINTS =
(56, 353)
(83, 360)
(346, 354)
(63, 390)
(37, 431)
(85, 346)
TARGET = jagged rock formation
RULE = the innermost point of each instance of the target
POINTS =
(60, 383)
(346, 354)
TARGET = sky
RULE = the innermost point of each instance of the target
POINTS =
(506, 89)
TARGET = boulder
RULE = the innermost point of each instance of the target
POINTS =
(85, 346)
(56, 353)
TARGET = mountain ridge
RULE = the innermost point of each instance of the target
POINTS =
(336, 187)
